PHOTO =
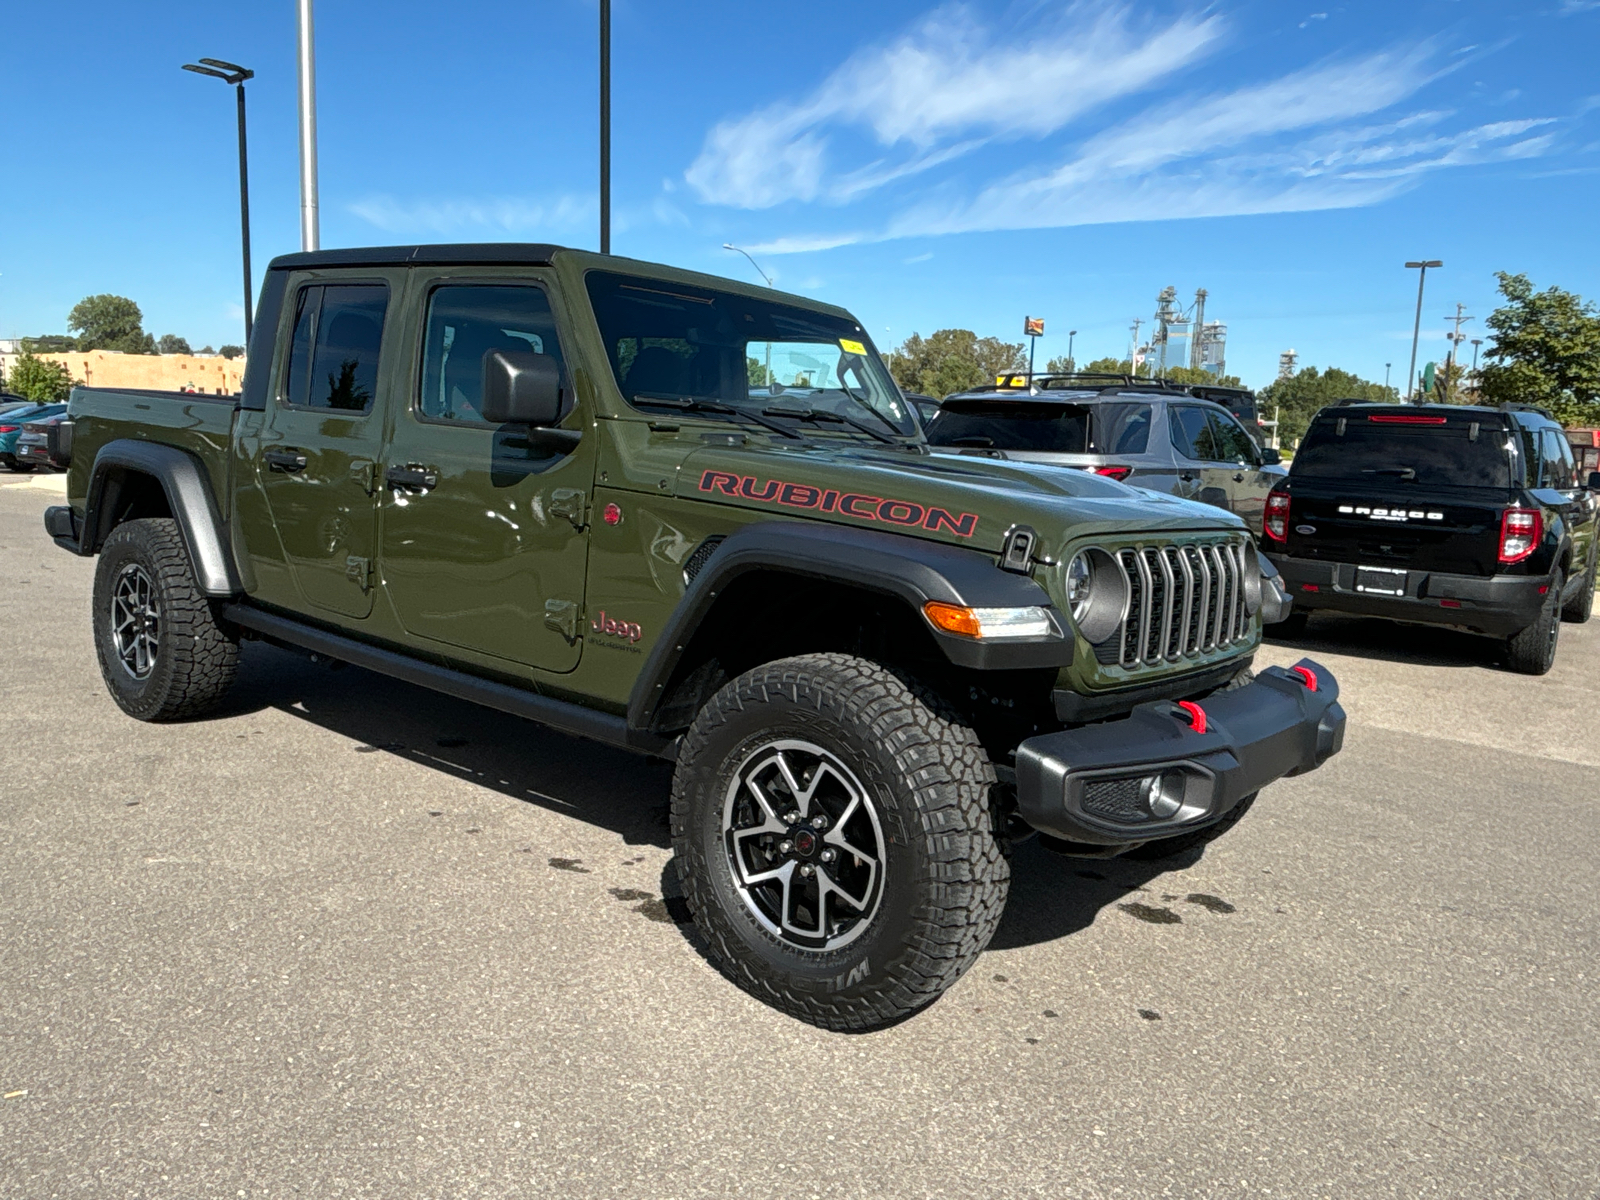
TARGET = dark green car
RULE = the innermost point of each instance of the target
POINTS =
(697, 520)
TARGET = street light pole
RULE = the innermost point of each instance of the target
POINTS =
(236, 75)
(1072, 364)
(310, 230)
(605, 126)
(1416, 330)
(1476, 342)
(1386, 367)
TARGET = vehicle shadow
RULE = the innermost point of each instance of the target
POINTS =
(1392, 641)
(1051, 896)
(624, 793)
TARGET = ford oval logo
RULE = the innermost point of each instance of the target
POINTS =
(1307, 530)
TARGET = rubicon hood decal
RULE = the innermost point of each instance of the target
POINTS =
(852, 504)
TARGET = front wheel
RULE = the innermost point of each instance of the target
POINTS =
(1533, 651)
(831, 826)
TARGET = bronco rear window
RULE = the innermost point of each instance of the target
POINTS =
(1457, 453)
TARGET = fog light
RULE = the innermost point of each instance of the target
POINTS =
(1162, 795)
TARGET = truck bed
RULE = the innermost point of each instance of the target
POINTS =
(191, 421)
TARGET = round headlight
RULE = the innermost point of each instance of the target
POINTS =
(1080, 585)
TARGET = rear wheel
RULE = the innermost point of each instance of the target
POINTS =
(16, 464)
(1533, 651)
(1579, 609)
(831, 826)
(163, 652)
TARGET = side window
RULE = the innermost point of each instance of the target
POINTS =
(1120, 428)
(1191, 433)
(1233, 443)
(333, 353)
(466, 322)
(1557, 470)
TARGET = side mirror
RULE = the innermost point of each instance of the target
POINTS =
(1270, 457)
(1594, 481)
(521, 388)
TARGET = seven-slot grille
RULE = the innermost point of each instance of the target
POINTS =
(1182, 601)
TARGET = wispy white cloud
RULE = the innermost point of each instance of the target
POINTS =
(506, 215)
(947, 87)
(1302, 142)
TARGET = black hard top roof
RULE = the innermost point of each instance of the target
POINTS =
(526, 254)
(1460, 412)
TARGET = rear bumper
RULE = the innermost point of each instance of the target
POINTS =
(61, 523)
(1154, 775)
(1499, 605)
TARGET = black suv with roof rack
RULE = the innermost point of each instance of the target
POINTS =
(1475, 518)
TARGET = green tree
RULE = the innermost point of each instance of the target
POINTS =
(1061, 365)
(107, 322)
(171, 343)
(50, 343)
(953, 360)
(1114, 366)
(1298, 397)
(231, 352)
(38, 380)
(1544, 349)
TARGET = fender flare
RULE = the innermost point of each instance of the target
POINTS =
(910, 569)
(183, 478)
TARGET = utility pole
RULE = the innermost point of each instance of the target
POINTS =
(605, 126)
(1416, 330)
(1458, 337)
(1133, 349)
(310, 230)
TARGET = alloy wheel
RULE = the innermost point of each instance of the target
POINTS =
(135, 621)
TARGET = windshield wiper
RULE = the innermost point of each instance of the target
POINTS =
(845, 388)
(689, 404)
(815, 415)
(1401, 472)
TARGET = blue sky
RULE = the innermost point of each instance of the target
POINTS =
(925, 165)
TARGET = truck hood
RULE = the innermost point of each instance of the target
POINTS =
(960, 500)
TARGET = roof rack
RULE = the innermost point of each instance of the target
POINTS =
(1106, 382)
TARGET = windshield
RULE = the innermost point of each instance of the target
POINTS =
(1458, 454)
(678, 342)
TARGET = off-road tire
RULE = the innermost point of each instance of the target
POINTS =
(1169, 847)
(1533, 650)
(196, 655)
(1580, 608)
(943, 880)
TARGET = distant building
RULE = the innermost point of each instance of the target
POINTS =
(211, 374)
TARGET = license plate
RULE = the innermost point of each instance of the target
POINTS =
(1381, 581)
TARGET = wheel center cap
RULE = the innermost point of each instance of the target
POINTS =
(805, 842)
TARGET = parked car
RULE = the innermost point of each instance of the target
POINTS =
(542, 480)
(11, 429)
(34, 443)
(1475, 518)
(926, 406)
(1168, 441)
(10, 402)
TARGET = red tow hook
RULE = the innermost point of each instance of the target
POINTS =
(1197, 715)
(1307, 676)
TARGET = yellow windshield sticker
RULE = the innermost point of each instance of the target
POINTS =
(850, 347)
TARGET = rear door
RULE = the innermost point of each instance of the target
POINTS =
(1204, 473)
(314, 458)
(486, 547)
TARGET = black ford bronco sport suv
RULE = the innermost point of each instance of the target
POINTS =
(1474, 518)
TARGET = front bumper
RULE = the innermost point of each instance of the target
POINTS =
(1155, 774)
(1500, 605)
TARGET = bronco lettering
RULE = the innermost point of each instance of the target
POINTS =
(906, 513)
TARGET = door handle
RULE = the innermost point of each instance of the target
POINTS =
(286, 462)
(412, 477)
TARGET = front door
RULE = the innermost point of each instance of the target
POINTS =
(1248, 484)
(483, 542)
(317, 449)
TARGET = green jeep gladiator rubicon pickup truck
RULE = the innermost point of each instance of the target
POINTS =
(698, 520)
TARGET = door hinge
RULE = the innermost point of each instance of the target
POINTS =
(364, 475)
(569, 503)
(359, 571)
(562, 616)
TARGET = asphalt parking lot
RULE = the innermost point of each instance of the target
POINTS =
(355, 939)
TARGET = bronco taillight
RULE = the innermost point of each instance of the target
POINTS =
(1520, 530)
(1275, 520)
